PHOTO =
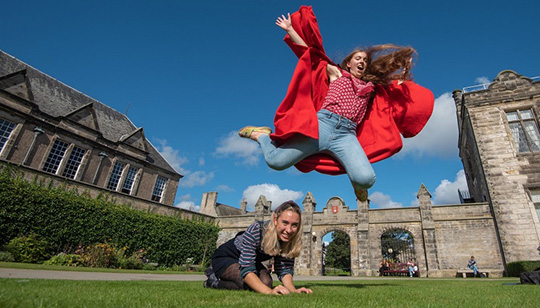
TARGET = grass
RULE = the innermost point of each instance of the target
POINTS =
(86, 269)
(351, 293)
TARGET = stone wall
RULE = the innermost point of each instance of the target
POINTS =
(444, 236)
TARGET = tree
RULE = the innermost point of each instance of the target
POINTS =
(338, 252)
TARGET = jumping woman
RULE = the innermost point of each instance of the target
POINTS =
(339, 119)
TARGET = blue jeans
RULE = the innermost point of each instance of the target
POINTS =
(337, 137)
(474, 268)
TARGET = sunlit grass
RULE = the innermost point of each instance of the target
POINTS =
(350, 293)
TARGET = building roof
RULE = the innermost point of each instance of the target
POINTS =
(59, 100)
(226, 210)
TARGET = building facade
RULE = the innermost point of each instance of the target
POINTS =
(499, 144)
(50, 130)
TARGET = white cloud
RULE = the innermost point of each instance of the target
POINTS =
(383, 201)
(189, 205)
(272, 192)
(447, 192)
(201, 161)
(172, 156)
(241, 148)
(185, 197)
(191, 178)
(482, 80)
(224, 188)
(197, 178)
(440, 135)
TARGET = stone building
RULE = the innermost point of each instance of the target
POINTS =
(499, 144)
(51, 130)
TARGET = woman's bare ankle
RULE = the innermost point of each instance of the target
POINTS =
(255, 135)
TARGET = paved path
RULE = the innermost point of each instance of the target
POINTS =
(66, 275)
(44, 274)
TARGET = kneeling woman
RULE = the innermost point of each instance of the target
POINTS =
(237, 264)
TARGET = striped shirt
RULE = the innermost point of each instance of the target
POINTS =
(249, 245)
(348, 97)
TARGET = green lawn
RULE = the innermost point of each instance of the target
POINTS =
(357, 293)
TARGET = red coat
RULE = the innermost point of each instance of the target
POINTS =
(395, 110)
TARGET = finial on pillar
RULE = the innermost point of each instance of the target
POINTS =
(208, 203)
(424, 197)
(243, 206)
(309, 202)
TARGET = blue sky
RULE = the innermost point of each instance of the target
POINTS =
(192, 73)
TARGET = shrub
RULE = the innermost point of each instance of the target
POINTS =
(136, 261)
(28, 249)
(65, 260)
(149, 267)
(65, 219)
(132, 263)
(514, 269)
(6, 256)
(102, 255)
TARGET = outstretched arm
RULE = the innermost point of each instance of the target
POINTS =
(286, 24)
(288, 283)
(253, 281)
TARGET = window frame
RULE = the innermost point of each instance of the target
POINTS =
(155, 197)
(128, 179)
(521, 122)
(72, 161)
(55, 161)
(4, 138)
(119, 175)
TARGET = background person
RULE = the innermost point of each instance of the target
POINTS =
(411, 266)
(383, 266)
(472, 265)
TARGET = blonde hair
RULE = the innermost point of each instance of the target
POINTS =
(271, 244)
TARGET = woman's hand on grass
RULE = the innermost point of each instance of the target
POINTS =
(279, 290)
(303, 290)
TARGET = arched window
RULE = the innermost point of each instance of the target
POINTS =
(397, 245)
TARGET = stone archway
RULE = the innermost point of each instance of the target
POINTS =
(397, 245)
(336, 255)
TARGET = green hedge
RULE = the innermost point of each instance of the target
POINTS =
(514, 269)
(65, 219)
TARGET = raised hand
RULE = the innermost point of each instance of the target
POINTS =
(284, 22)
